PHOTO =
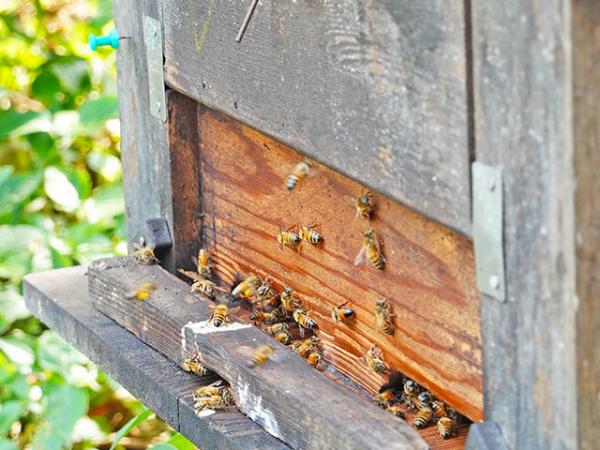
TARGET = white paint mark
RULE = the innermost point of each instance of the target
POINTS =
(205, 412)
(251, 405)
(206, 327)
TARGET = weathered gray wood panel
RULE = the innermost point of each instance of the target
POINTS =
(60, 299)
(522, 81)
(586, 121)
(286, 397)
(376, 90)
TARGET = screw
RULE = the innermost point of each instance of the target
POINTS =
(494, 282)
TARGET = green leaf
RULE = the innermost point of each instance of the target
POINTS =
(17, 351)
(60, 190)
(12, 307)
(96, 112)
(65, 404)
(73, 74)
(9, 412)
(11, 120)
(42, 144)
(7, 444)
(163, 447)
(18, 188)
(130, 426)
(45, 87)
(5, 173)
(56, 355)
(104, 205)
(180, 442)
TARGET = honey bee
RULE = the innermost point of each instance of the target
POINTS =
(314, 358)
(202, 285)
(370, 249)
(142, 292)
(395, 410)
(383, 399)
(446, 427)
(220, 315)
(423, 417)
(410, 393)
(364, 205)
(193, 364)
(278, 328)
(300, 315)
(374, 359)
(218, 401)
(247, 288)
(284, 337)
(265, 317)
(261, 355)
(288, 302)
(423, 399)
(143, 255)
(341, 314)
(300, 171)
(306, 347)
(289, 239)
(202, 264)
(439, 408)
(309, 235)
(208, 391)
(265, 292)
(383, 316)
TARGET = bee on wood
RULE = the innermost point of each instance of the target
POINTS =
(288, 239)
(261, 355)
(192, 363)
(265, 317)
(142, 292)
(284, 337)
(206, 287)
(265, 292)
(424, 399)
(309, 235)
(143, 255)
(280, 331)
(210, 390)
(410, 393)
(247, 288)
(288, 302)
(301, 317)
(220, 315)
(314, 358)
(423, 417)
(341, 314)
(383, 399)
(221, 400)
(395, 410)
(383, 316)
(300, 172)
(304, 348)
(446, 427)
(202, 264)
(439, 408)
(371, 250)
(374, 359)
(364, 205)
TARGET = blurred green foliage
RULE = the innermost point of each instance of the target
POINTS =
(61, 204)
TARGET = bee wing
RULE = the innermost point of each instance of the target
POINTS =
(360, 256)
(192, 275)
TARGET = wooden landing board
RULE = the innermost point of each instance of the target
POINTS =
(286, 397)
(429, 276)
(60, 299)
(375, 89)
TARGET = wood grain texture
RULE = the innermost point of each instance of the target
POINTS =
(429, 275)
(60, 299)
(286, 397)
(586, 138)
(376, 90)
(522, 80)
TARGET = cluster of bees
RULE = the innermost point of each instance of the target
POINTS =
(282, 315)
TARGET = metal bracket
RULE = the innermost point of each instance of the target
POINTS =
(154, 60)
(488, 230)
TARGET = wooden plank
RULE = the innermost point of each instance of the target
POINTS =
(286, 397)
(485, 436)
(376, 90)
(586, 134)
(522, 80)
(60, 299)
(428, 279)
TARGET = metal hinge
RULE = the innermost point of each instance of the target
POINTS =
(154, 61)
(488, 229)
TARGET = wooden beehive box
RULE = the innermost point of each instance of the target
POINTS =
(412, 101)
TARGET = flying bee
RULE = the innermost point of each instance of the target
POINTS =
(192, 363)
(446, 427)
(383, 316)
(374, 359)
(314, 358)
(309, 235)
(371, 249)
(288, 302)
(142, 292)
(300, 315)
(202, 264)
(423, 400)
(410, 393)
(268, 318)
(423, 417)
(341, 314)
(220, 315)
(142, 254)
(364, 205)
(261, 355)
(395, 410)
(300, 171)
(383, 399)
(206, 287)
(247, 288)
(289, 239)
